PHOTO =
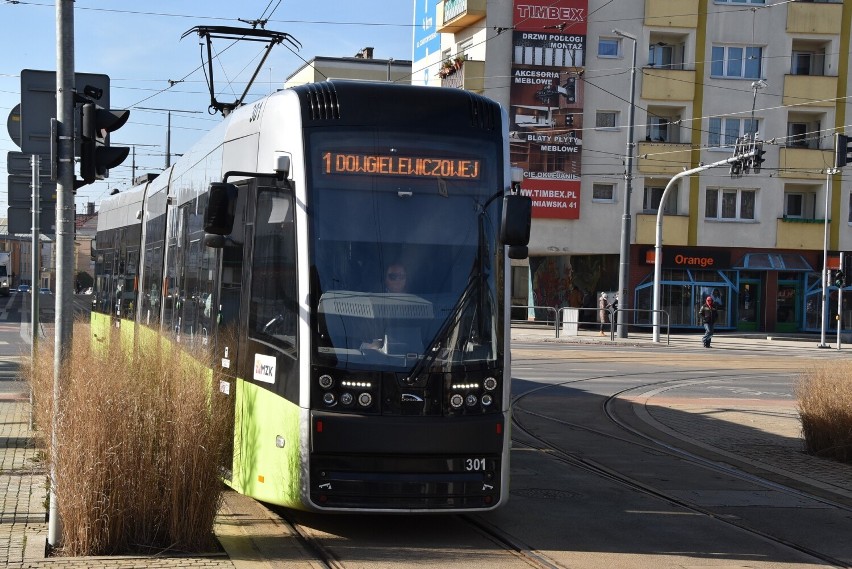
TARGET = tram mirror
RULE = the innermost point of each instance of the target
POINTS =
(516, 221)
(219, 217)
(518, 252)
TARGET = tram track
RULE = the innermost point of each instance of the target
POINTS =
(635, 437)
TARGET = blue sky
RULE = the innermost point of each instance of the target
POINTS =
(138, 44)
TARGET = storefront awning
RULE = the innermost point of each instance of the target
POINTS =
(774, 262)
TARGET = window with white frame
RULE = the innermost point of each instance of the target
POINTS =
(736, 61)
(652, 196)
(807, 63)
(730, 204)
(609, 47)
(723, 132)
(603, 192)
(606, 119)
(740, 1)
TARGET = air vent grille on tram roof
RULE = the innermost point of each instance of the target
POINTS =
(323, 101)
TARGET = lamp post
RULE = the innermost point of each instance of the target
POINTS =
(624, 253)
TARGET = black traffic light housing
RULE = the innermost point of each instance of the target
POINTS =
(96, 155)
(571, 90)
(842, 150)
(839, 279)
(758, 158)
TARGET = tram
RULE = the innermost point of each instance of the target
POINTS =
(274, 242)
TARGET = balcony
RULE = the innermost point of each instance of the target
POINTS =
(804, 163)
(663, 157)
(671, 13)
(802, 90)
(814, 17)
(668, 84)
(452, 16)
(675, 229)
(799, 233)
(471, 77)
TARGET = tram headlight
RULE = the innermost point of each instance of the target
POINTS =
(365, 399)
(471, 400)
(490, 383)
(456, 401)
(328, 399)
(346, 398)
(326, 381)
(487, 400)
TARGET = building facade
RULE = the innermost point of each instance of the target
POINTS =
(707, 72)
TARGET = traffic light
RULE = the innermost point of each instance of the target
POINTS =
(839, 279)
(571, 90)
(96, 155)
(569, 119)
(842, 150)
(758, 158)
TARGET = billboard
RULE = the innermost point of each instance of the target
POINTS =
(546, 103)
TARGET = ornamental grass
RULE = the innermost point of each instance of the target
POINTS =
(139, 446)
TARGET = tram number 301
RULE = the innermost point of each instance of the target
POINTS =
(474, 464)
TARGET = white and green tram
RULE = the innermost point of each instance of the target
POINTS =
(269, 243)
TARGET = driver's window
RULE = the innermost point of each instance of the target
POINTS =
(273, 312)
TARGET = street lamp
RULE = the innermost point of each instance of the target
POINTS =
(624, 253)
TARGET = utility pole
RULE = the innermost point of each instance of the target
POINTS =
(64, 229)
(624, 254)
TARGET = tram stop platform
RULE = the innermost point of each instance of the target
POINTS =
(244, 526)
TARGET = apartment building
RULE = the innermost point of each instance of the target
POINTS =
(706, 73)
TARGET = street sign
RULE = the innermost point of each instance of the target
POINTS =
(38, 105)
(20, 164)
(20, 192)
(21, 220)
(13, 124)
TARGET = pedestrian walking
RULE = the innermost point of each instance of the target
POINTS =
(707, 317)
(603, 306)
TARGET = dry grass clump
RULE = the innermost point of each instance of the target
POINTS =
(140, 443)
(825, 407)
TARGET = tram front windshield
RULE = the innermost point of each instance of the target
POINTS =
(403, 251)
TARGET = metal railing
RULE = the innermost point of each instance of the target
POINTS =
(556, 319)
(649, 325)
(549, 309)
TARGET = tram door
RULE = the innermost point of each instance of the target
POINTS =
(749, 305)
(228, 314)
(787, 308)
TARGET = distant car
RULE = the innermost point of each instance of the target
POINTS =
(23, 288)
(44, 290)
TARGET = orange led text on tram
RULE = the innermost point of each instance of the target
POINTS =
(412, 166)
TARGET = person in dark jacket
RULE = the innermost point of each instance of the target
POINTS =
(707, 317)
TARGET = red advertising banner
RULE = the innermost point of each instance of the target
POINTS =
(546, 102)
(567, 16)
(553, 199)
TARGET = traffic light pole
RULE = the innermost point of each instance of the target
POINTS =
(840, 299)
(64, 230)
(825, 273)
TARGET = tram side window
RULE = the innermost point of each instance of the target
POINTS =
(274, 311)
